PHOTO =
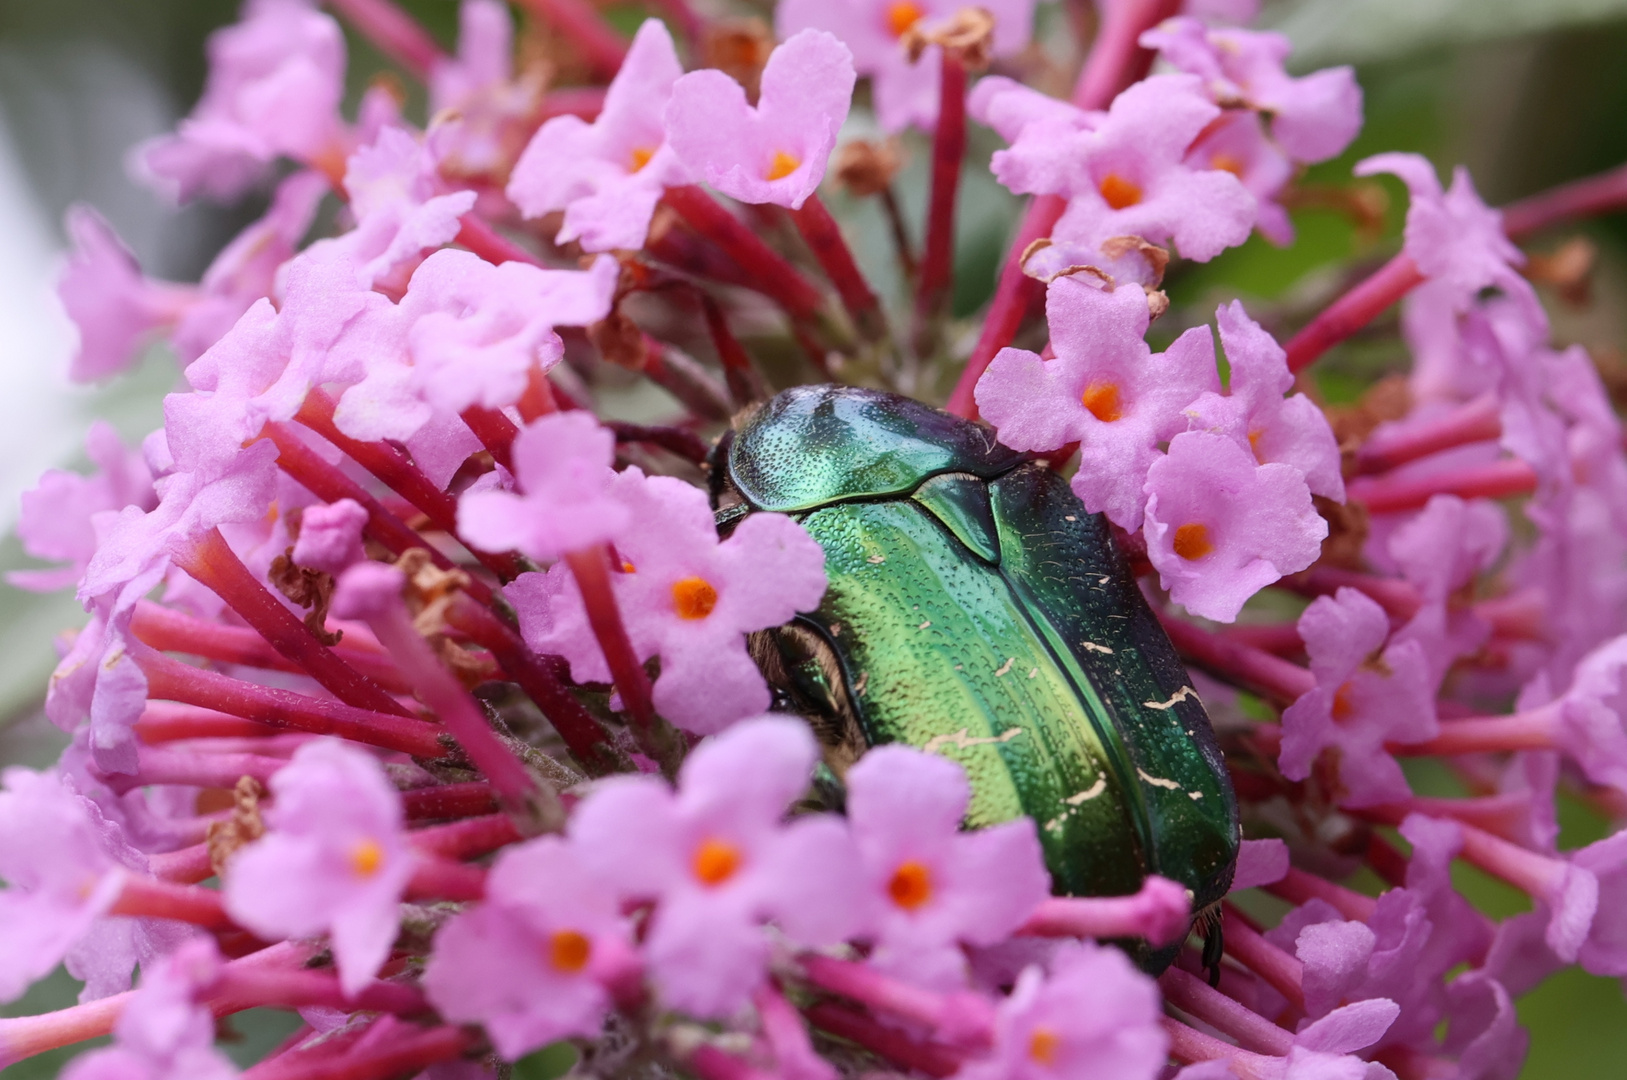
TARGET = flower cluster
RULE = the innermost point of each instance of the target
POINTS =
(426, 694)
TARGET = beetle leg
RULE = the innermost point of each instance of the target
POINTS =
(1214, 945)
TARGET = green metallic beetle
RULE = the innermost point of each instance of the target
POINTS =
(977, 611)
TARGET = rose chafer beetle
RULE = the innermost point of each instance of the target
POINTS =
(976, 610)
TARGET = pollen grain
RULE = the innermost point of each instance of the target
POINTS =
(782, 166)
(911, 885)
(715, 862)
(1192, 541)
(693, 597)
(1119, 192)
(569, 951)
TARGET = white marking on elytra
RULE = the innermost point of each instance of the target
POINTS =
(858, 686)
(964, 740)
(1091, 646)
(1032, 672)
(1089, 793)
(1158, 781)
(1005, 667)
(1180, 695)
(1194, 795)
(1069, 517)
(1104, 579)
(925, 623)
(876, 560)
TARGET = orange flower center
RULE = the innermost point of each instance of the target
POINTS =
(366, 857)
(1254, 445)
(782, 166)
(1101, 399)
(1119, 192)
(902, 15)
(693, 597)
(716, 862)
(641, 157)
(569, 951)
(1192, 541)
(911, 886)
(1227, 163)
(1043, 1045)
(1343, 708)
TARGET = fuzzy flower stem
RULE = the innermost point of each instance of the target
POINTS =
(168, 721)
(674, 440)
(467, 839)
(449, 801)
(740, 372)
(1475, 421)
(192, 769)
(406, 1056)
(1533, 729)
(1116, 57)
(495, 431)
(395, 33)
(211, 560)
(1500, 815)
(145, 897)
(521, 791)
(948, 150)
(889, 1042)
(685, 379)
(1197, 998)
(1188, 1045)
(965, 1018)
(443, 879)
(1398, 598)
(591, 568)
(1601, 194)
(538, 677)
(1249, 947)
(171, 680)
(765, 268)
(824, 239)
(174, 631)
(392, 467)
(185, 866)
(1160, 912)
(710, 1063)
(24, 1036)
(1237, 663)
(1014, 294)
(1540, 876)
(594, 40)
(1299, 887)
(476, 234)
(1352, 311)
(327, 482)
(1500, 479)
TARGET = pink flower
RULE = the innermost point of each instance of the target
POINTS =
(275, 81)
(1363, 699)
(1260, 862)
(607, 176)
(60, 516)
(1009, 107)
(717, 860)
(1312, 118)
(1127, 174)
(64, 865)
(116, 308)
(247, 268)
(1093, 1016)
(467, 333)
(1440, 551)
(565, 503)
(334, 859)
(401, 212)
(1237, 144)
(685, 597)
(480, 113)
(1105, 390)
(330, 536)
(529, 964)
(165, 1032)
(776, 151)
(1220, 526)
(1452, 235)
(905, 94)
(933, 885)
(1292, 431)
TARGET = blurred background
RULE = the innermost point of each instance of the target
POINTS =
(1525, 93)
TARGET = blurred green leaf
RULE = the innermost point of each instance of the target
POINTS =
(1359, 31)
